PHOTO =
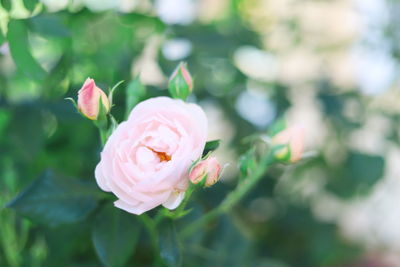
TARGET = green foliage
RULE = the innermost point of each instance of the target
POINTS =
(358, 176)
(170, 247)
(17, 37)
(53, 200)
(7, 4)
(135, 92)
(30, 4)
(211, 146)
(115, 234)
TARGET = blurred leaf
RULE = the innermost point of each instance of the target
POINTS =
(19, 46)
(6, 4)
(30, 4)
(170, 250)
(247, 162)
(57, 82)
(53, 199)
(2, 38)
(211, 146)
(135, 92)
(358, 175)
(26, 131)
(229, 247)
(115, 234)
(137, 18)
(49, 25)
(4, 120)
(277, 127)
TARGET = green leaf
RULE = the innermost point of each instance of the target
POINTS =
(30, 4)
(2, 38)
(170, 249)
(115, 235)
(49, 25)
(211, 146)
(56, 83)
(19, 47)
(137, 20)
(135, 92)
(53, 199)
(6, 4)
(358, 175)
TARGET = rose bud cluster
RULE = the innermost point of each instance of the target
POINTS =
(292, 140)
(206, 172)
(180, 84)
(90, 97)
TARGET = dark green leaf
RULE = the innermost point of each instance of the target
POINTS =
(211, 146)
(135, 91)
(19, 47)
(2, 38)
(30, 4)
(170, 250)
(6, 4)
(53, 199)
(114, 236)
(359, 174)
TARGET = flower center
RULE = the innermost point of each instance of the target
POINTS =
(162, 156)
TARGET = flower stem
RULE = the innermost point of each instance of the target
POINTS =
(234, 197)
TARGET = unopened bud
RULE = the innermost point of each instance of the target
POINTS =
(180, 83)
(207, 171)
(89, 99)
(293, 139)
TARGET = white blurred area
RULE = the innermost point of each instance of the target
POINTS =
(343, 41)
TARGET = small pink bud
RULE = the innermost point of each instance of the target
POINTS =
(89, 97)
(208, 169)
(180, 83)
(293, 137)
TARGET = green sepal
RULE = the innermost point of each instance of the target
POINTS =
(111, 92)
(72, 101)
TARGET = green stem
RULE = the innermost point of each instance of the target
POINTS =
(103, 136)
(234, 197)
(180, 211)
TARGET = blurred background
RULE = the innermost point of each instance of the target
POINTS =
(330, 65)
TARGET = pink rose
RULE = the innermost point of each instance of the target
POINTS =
(146, 160)
(293, 137)
(89, 97)
(208, 169)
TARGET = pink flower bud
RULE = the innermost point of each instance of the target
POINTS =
(180, 83)
(293, 137)
(208, 169)
(89, 97)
